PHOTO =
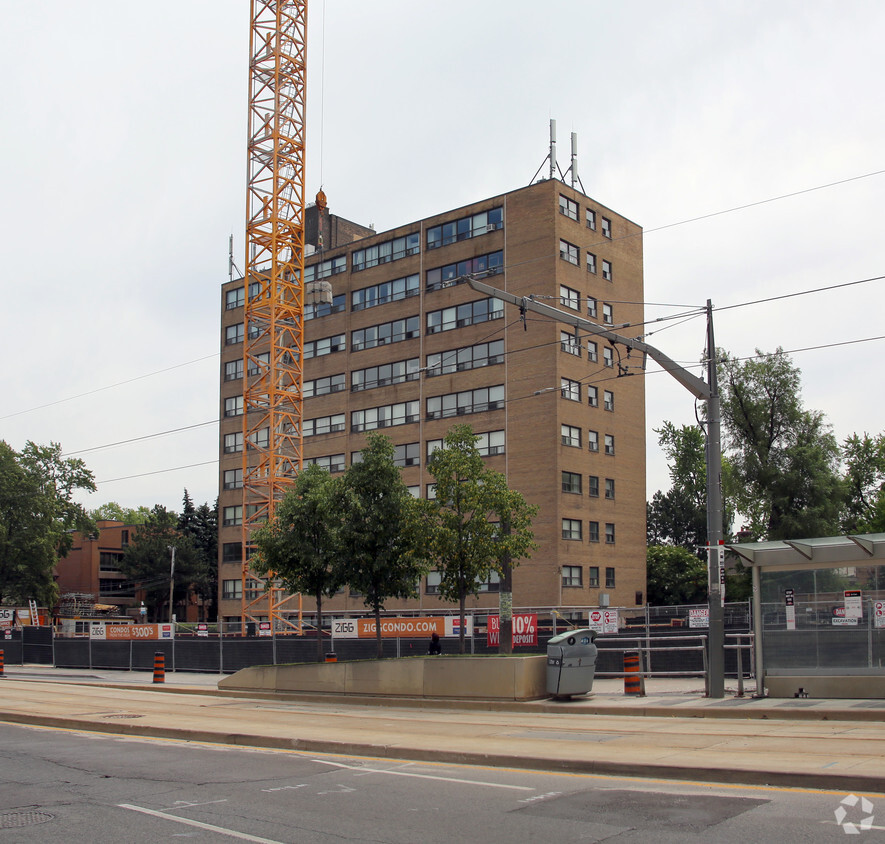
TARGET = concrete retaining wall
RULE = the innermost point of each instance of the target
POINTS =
(464, 677)
(836, 686)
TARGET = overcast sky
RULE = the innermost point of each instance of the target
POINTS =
(122, 175)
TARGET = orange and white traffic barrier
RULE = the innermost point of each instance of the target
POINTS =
(632, 680)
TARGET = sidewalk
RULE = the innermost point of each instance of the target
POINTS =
(681, 734)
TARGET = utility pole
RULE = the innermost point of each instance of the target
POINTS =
(707, 392)
(171, 579)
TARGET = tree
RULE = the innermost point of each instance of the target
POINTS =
(475, 523)
(679, 517)
(864, 478)
(378, 530)
(675, 575)
(147, 561)
(784, 459)
(112, 511)
(201, 525)
(300, 544)
(37, 518)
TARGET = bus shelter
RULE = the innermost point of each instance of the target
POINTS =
(819, 615)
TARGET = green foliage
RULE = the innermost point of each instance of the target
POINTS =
(675, 575)
(784, 459)
(476, 524)
(37, 518)
(147, 561)
(112, 511)
(378, 530)
(200, 524)
(300, 544)
(864, 477)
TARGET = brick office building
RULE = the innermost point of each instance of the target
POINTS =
(407, 348)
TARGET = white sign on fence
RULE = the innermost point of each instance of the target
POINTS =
(603, 621)
(879, 613)
(699, 617)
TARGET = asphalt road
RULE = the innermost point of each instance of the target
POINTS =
(61, 785)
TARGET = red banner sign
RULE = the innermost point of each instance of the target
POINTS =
(525, 630)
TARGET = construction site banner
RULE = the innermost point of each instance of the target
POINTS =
(400, 628)
(525, 630)
(126, 632)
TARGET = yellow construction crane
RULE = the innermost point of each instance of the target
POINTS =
(274, 305)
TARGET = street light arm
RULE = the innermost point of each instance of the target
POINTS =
(691, 382)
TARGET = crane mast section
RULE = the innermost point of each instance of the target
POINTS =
(273, 330)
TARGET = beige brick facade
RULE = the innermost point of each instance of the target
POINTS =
(535, 236)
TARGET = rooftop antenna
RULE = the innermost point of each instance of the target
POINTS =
(551, 156)
(231, 266)
(573, 169)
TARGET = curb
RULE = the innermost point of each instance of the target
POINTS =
(714, 774)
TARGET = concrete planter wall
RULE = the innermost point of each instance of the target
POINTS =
(463, 677)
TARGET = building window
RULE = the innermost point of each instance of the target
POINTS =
(593, 440)
(609, 537)
(609, 443)
(490, 443)
(468, 401)
(124, 538)
(260, 439)
(592, 351)
(608, 400)
(231, 552)
(593, 577)
(232, 516)
(383, 253)
(234, 334)
(321, 309)
(388, 291)
(231, 589)
(324, 269)
(432, 582)
(385, 416)
(407, 455)
(571, 436)
(233, 442)
(233, 370)
(607, 314)
(571, 482)
(569, 389)
(568, 252)
(610, 488)
(324, 346)
(609, 577)
(387, 332)
(591, 307)
(592, 395)
(468, 313)
(569, 298)
(608, 356)
(324, 386)
(591, 263)
(234, 298)
(593, 535)
(591, 219)
(109, 562)
(330, 462)
(452, 274)
(606, 227)
(493, 584)
(593, 486)
(607, 270)
(382, 376)
(233, 406)
(323, 425)
(568, 207)
(259, 363)
(233, 478)
(571, 529)
(465, 228)
(569, 343)
(571, 575)
(467, 357)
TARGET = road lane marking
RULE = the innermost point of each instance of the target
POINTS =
(199, 824)
(362, 770)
